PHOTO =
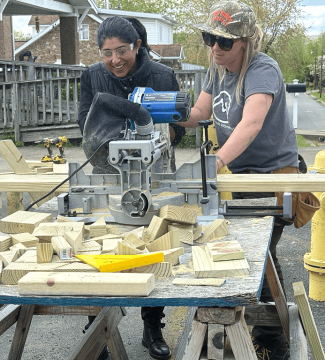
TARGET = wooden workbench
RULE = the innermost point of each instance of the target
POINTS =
(253, 235)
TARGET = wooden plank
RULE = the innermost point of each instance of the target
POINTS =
(218, 228)
(8, 316)
(178, 214)
(195, 341)
(98, 228)
(45, 233)
(23, 221)
(198, 282)
(216, 337)
(26, 239)
(308, 321)
(133, 240)
(240, 339)
(75, 239)
(99, 334)
(205, 267)
(62, 247)
(298, 342)
(218, 315)
(21, 332)
(67, 310)
(86, 283)
(13, 157)
(262, 315)
(8, 257)
(278, 295)
(14, 201)
(5, 242)
(160, 270)
(225, 250)
(110, 246)
(185, 233)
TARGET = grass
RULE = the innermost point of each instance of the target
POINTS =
(316, 94)
(302, 142)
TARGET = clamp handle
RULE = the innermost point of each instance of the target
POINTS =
(204, 146)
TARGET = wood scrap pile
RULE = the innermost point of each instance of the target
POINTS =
(70, 258)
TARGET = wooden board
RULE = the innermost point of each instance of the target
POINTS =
(102, 284)
(44, 252)
(198, 282)
(5, 242)
(13, 157)
(156, 229)
(225, 250)
(62, 247)
(26, 239)
(23, 221)
(218, 228)
(178, 214)
(165, 242)
(205, 267)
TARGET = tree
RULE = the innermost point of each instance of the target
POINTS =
(19, 35)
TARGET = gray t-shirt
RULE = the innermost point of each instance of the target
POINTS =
(275, 146)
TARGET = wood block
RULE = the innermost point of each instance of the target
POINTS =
(100, 239)
(44, 252)
(46, 231)
(62, 247)
(225, 250)
(15, 202)
(165, 242)
(61, 218)
(112, 229)
(172, 255)
(133, 240)
(198, 282)
(178, 214)
(5, 242)
(8, 256)
(217, 315)
(308, 321)
(75, 239)
(156, 229)
(112, 263)
(23, 221)
(98, 228)
(205, 267)
(185, 233)
(139, 232)
(195, 341)
(218, 228)
(86, 283)
(30, 256)
(298, 342)
(26, 239)
(124, 249)
(198, 232)
(216, 337)
(110, 246)
(68, 225)
(18, 246)
(160, 270)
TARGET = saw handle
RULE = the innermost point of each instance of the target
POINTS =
(204, 148)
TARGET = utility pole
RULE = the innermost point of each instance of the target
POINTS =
(321, 69)
(315, 65)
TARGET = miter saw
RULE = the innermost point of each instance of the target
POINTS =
(120, 133)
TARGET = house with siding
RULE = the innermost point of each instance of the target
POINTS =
(45, 44)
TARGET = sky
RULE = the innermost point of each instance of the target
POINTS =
(313, 12)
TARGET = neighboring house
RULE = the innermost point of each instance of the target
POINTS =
(46, 44)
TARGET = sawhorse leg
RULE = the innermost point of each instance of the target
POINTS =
(24, 320)
(103, 331)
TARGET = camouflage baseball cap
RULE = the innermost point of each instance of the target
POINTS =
(230, 19)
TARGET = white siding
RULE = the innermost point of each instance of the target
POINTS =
(159, 33)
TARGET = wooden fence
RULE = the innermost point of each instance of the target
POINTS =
(41, 100)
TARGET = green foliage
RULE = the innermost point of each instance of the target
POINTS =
(71, 87)
(188, 142)
(302, 142)
(8, 134)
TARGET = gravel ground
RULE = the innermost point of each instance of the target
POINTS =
(54, 337)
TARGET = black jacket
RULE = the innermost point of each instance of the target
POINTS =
(97, 78)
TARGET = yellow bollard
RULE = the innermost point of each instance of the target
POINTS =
(319, 166)
(314, 261)
(225, 195)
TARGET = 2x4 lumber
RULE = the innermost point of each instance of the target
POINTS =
(240, 339)
(218, 228)
(298, 342)
(271, 182)
(67, 310)
(86, 283)
(5, 242)
(165, 242)
(205, 267)
(218, 315)
(100, 239)
(43, 182)
(14, 201)
(101, 332)
(7, 257)
(198, 282)
(195, 341)
(8, 316)
(98, 228)
(215, 341)
(133, 240)
(24, 320)
(178, 214)
(125, 249)
(185, 233)
(23, 221)
(13, 157)
(157, 228)
(110, 246)
(160, 270)
(44, 252)
(308, 321)
(46, 233)
(62, 247)
(262, 315)
(26, 239)
(277, 294)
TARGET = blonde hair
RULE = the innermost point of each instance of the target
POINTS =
(253, 46)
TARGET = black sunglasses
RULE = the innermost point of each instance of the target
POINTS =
(223, 43)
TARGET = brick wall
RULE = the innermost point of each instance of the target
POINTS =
(5, 38)
(48, 49)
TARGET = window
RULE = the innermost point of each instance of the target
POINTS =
(84, 32)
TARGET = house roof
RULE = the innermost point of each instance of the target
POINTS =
(43, 19)
(169, 51)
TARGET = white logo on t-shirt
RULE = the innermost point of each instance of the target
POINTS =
(223, 100)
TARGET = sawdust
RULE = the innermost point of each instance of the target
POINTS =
(260, 219)
(167, 193)
(183, 268)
